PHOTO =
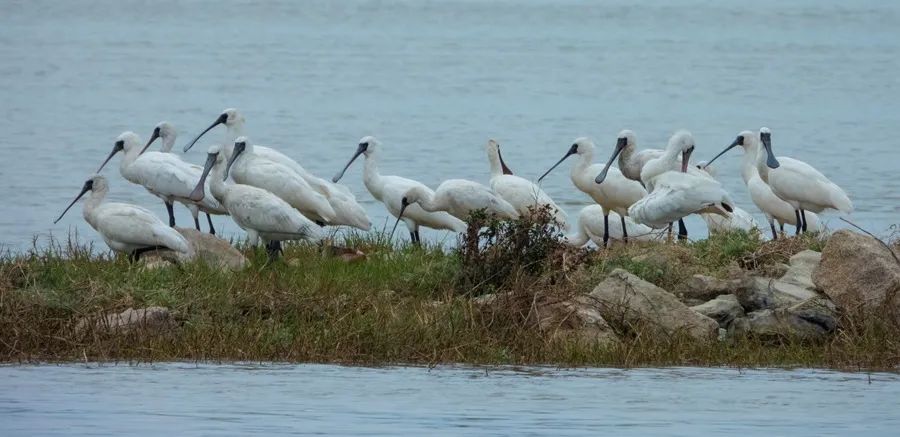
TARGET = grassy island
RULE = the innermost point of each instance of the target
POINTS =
(400, 304)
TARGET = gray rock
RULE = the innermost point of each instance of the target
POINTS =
(704, 288)
(801, 268)
(819, 311)
(766, 293)
(723, 309)
(638, 305)
(776, 325)
(214, 251)
(575, 319)
(859, 274)
(150, 318)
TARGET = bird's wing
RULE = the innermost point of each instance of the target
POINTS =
(136, 226)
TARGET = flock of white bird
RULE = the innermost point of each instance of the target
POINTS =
(273, 198)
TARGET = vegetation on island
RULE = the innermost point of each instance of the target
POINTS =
(400, 304)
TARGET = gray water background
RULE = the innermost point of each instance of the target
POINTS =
(434, 80)
(187, 399)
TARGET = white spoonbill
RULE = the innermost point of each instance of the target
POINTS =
(164, 175)
(257, 211)
(738, 220)
(761, 194)
(248, 168)
(390, 190)
(591, 226)
(124, 227)
(460, 198)
(632, 162)
(799, 184)
(347, 211)
(165, 132)
(677, 194)
(521, 193)
(615, 194)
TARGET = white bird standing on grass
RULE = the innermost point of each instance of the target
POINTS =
(799, 184)
(260, 213)
(124, 227)
(390, 190)
(761, 194)
(632, 162)
(617, 192)
(165, 175)
(521, 193)
(347, 211)
(165, 132)
(591, 226)
(247, 167)
(677, 194)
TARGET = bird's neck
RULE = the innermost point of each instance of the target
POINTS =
(761, 155)
(426, 199)
(625, 156)
(582, 162)
(371, 175)
(168, 143)
(748, 161)
(494, 159)
(217, 185)
(91, 204)
(130, 156)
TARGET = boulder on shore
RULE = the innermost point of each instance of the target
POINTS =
(704, 288)
(212, 250)
(793, 287)
(723, 309)
(152, 318)
(577, 318)
(859, 273)
(637, 304)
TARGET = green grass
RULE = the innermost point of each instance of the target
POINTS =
(402, 304)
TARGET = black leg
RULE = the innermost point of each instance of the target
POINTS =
(669, 233)
(605, 229)
(412, 237)
(781, 227)
(799, 221)
(774, 234)
(682, 230)
(624, 229)
(212, 230)
(418, 237)
(171, 212)
(197, 223)
(803, 216)
(273, 249)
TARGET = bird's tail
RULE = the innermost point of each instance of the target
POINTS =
(840, 200)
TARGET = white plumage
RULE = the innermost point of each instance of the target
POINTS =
(761, 194)
(124, 227)
(798, 183)
(347, 211)
(615, 194)
(163, 174)
(459, 198)
(246, 167)
(390, 190)
(677, 194)
(591, 227)
(257, 211)
(521, 193)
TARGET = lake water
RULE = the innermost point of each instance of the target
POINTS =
(435, 79)
(187, 399)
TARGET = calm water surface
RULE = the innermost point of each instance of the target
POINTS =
(185, 399)
(433, 80)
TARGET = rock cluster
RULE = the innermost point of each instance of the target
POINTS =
(853, 273)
